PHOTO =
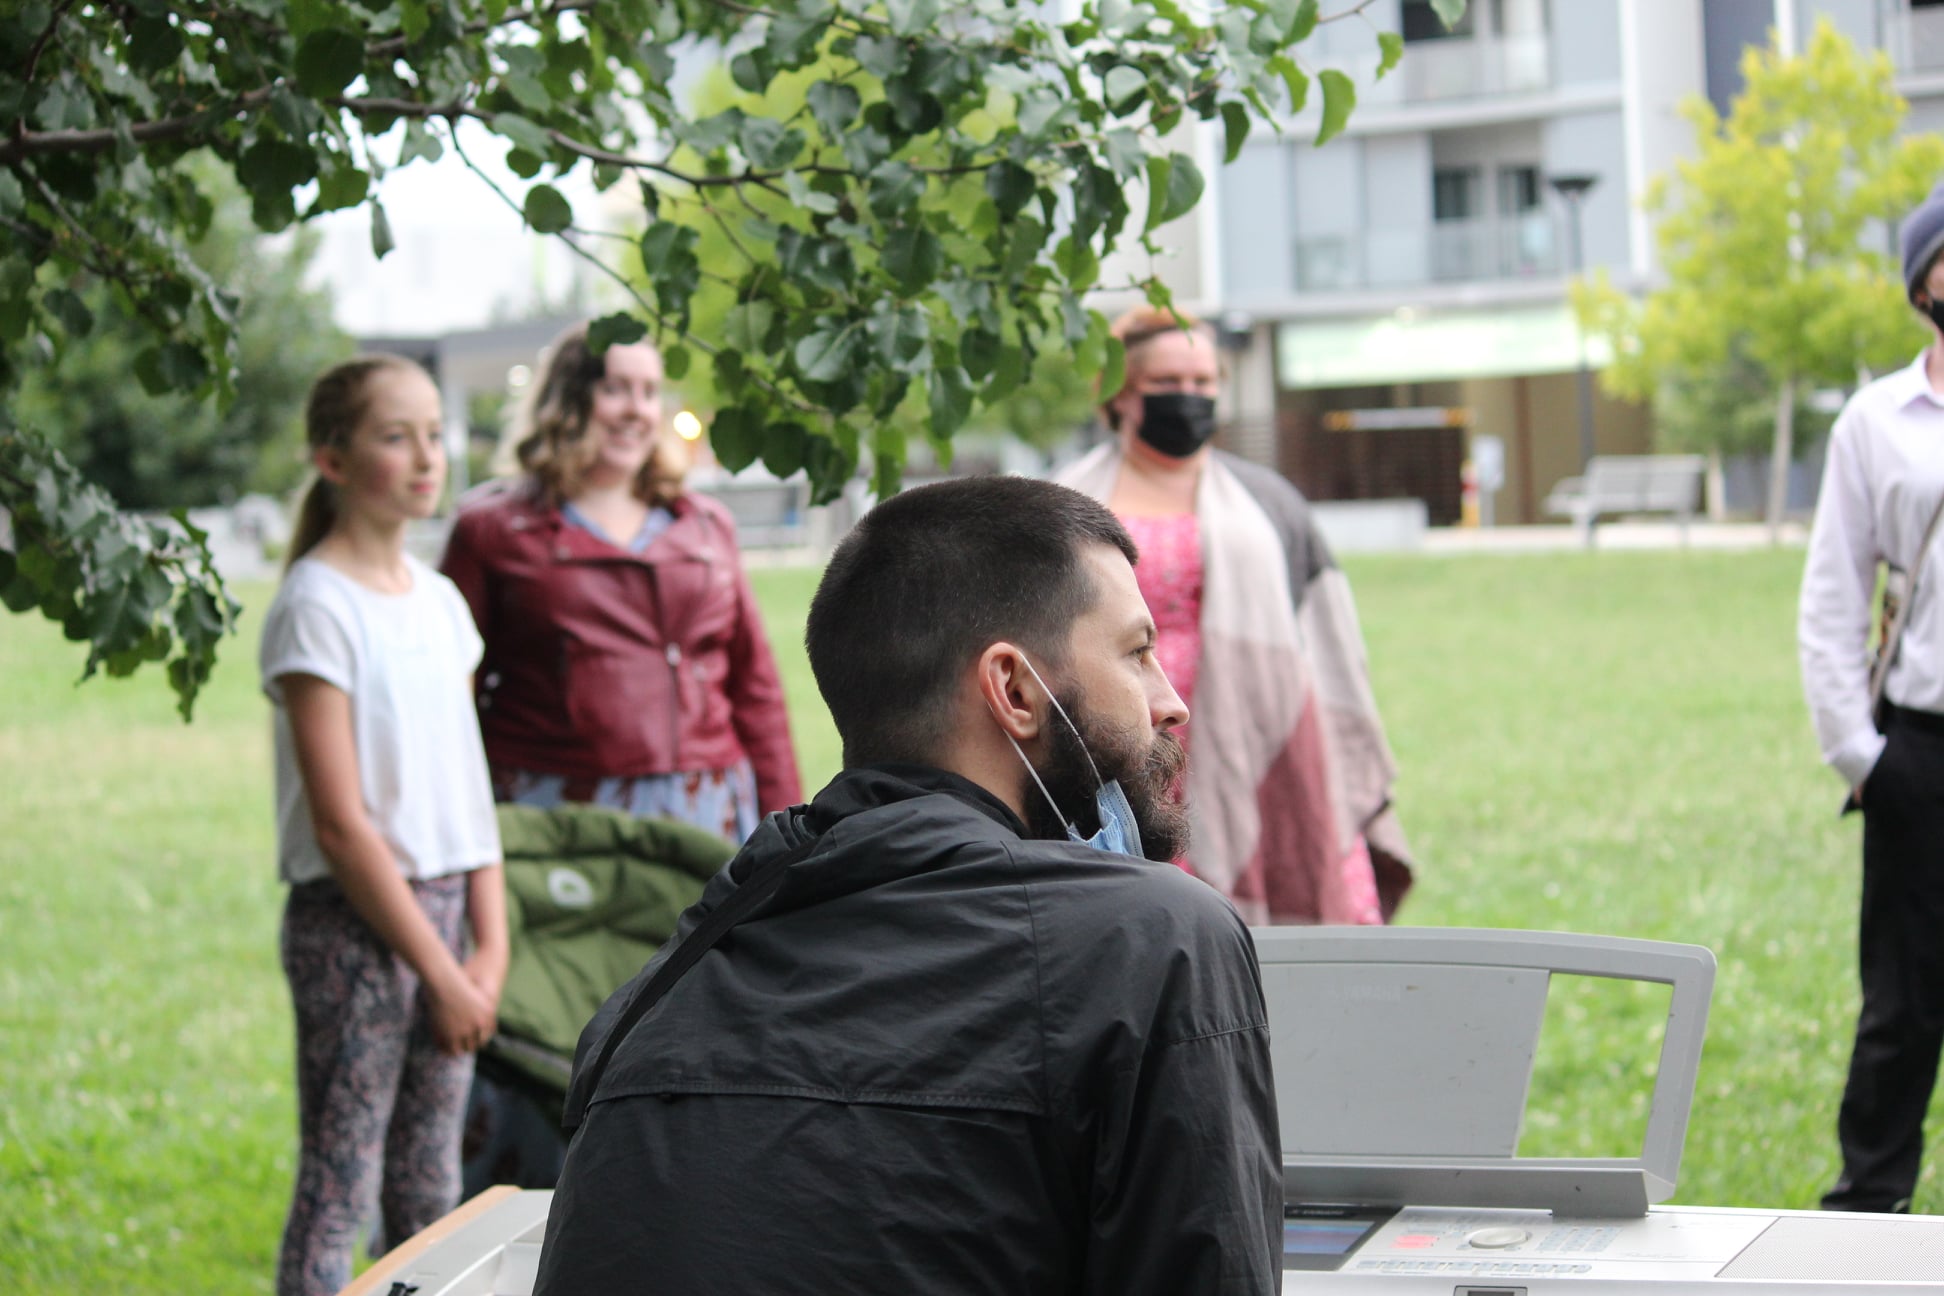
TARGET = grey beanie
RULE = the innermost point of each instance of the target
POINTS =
(1922, 236)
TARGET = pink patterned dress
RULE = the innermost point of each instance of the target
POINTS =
(1170, 576)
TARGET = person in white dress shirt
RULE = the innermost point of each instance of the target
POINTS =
(1881, 488)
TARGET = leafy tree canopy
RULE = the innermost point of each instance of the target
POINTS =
(922, 222)
(1772, 241)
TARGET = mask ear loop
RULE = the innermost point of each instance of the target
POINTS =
(1099, 782)
(1042, 787)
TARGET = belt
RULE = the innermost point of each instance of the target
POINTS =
(1911, 718)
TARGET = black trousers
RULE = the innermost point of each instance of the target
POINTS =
(1901, 955)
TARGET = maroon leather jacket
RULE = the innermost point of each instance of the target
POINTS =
(601, 663)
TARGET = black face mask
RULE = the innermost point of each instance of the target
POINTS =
(1177, 423)
(1934, 309)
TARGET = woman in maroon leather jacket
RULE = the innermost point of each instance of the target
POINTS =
(625, 660)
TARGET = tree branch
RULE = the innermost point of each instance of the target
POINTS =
(28, 144)
(33, 55)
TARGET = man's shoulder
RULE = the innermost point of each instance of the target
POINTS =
(1134, 911)
(1884, 397)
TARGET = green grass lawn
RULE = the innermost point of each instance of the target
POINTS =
(1597, 742)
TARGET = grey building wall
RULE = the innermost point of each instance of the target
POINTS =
(1397, 200)
(1585, 41)
(1594, 143)
(1258, 209)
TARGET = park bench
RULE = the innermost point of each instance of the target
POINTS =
(1622, 484)
(768, 514)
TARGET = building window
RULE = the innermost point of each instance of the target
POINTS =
(1454, 194)
(1421, 22)
(1518, 189)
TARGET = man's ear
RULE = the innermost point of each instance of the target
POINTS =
(1009, 691)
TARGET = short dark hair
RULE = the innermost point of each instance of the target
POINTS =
(931, 578)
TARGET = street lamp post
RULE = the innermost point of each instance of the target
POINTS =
(1572, 191)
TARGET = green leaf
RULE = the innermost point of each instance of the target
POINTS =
(660, 243)
(1235, 129)
(1007, 372)
(1448, 11)
(619, 329)
(1124, 87)
(826, 354)
(546, 211)
(834, 105)
(1174, 187)
(420, 142)
(1303, 24)
(328, 60)
(675, 363)
(340, 187)
(1113, 372)
(881, 56)
(1339, 97)
(768, 143)
(171, 367)
(153, 43)
(911, 17)
(784, 447)
(949, 397)
(1022, 249)
(522, 132)
(912, 257)
(1391, 46)
(746, 326)
(524, 164)
(381, 231)
(1122, 151)
(806, 198)
(752, 70)
(1010, 186)
(75, 317)
(978, 352)
(1294, 78)
(736, 435)
(1077, 261)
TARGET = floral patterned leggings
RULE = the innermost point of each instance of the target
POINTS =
(373, 1090)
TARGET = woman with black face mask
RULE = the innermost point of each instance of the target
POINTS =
(1289, 773)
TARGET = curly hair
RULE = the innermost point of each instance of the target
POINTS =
(551, 430)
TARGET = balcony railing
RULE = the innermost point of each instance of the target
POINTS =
(1514, 247)
(1469, 67)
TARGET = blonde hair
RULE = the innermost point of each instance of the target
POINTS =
(1137, 327)
(1141, 325)
(550, 432)
(337, 404)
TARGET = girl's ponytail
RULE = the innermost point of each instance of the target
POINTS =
(315, 518)
(336, 406)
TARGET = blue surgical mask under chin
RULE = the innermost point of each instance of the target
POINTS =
(1118, 832)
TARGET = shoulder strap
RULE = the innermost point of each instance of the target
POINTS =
(1893, 633)
(744, 901)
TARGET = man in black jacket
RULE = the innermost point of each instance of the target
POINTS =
(957, 1025)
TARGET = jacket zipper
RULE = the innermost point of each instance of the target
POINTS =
(672, 654)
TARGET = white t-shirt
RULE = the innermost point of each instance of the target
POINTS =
(404, 661)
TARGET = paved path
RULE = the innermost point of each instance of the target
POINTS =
(1609, 536)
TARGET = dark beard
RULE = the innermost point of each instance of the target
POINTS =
(1151, 778)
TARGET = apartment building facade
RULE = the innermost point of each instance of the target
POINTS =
(1420, 262)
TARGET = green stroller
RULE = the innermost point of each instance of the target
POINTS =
(591, 894)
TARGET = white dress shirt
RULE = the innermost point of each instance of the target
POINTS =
(1880, 488)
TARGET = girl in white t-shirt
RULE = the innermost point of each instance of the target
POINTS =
(385, 828)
